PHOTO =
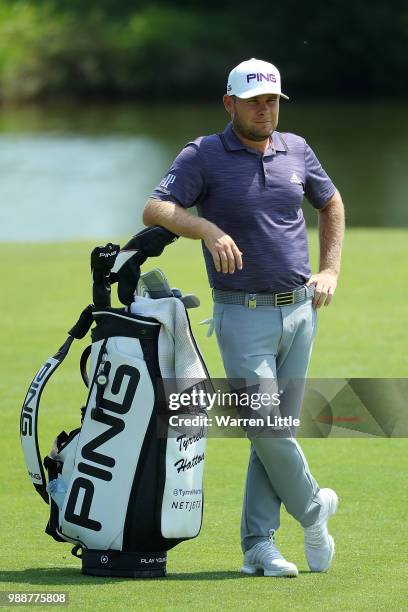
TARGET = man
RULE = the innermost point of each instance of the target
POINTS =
(248, 185)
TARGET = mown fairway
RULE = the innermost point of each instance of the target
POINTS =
(363, 334)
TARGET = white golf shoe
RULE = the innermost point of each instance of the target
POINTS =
(265, 556)
(319, 545)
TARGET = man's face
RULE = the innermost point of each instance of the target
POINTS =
(255, 118)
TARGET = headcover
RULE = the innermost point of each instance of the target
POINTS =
(150, 242)
(110, 264)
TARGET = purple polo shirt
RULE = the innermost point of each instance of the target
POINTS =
(255, 198)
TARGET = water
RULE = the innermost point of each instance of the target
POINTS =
(71, 171)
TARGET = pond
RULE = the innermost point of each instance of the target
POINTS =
(71, 171)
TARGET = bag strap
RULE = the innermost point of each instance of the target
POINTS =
(82, 364)
(31, 405)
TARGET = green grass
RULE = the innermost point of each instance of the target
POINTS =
(363, 333)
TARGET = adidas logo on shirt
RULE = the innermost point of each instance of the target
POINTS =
(295, 179)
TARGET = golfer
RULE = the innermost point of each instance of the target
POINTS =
(248, 184)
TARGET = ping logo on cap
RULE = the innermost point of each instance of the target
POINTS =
(259, 76)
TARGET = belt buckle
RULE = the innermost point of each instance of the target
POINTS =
(285, 298)
(250, 300)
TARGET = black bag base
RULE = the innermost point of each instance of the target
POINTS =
(115, 563)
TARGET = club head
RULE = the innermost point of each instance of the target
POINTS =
(190, 301)
(154, 284)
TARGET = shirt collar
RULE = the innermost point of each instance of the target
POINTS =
(232, 142)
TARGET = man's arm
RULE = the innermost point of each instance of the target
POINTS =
(176, 219)
(331, 233)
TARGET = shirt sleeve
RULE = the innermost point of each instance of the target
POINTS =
(184, 182)
(319, 187)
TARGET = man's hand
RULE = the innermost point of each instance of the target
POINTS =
(326, 283)
(224, 251)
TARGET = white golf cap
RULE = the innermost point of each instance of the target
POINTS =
(254, 78)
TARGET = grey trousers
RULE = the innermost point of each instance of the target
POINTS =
(270, 344)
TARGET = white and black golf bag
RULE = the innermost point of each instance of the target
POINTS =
(124, 487)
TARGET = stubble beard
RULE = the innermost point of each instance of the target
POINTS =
(256, 136)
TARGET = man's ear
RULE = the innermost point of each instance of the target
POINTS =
(228, 103)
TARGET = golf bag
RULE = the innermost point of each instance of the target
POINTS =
(125, 486)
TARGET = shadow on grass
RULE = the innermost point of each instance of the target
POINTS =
(54, 576)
